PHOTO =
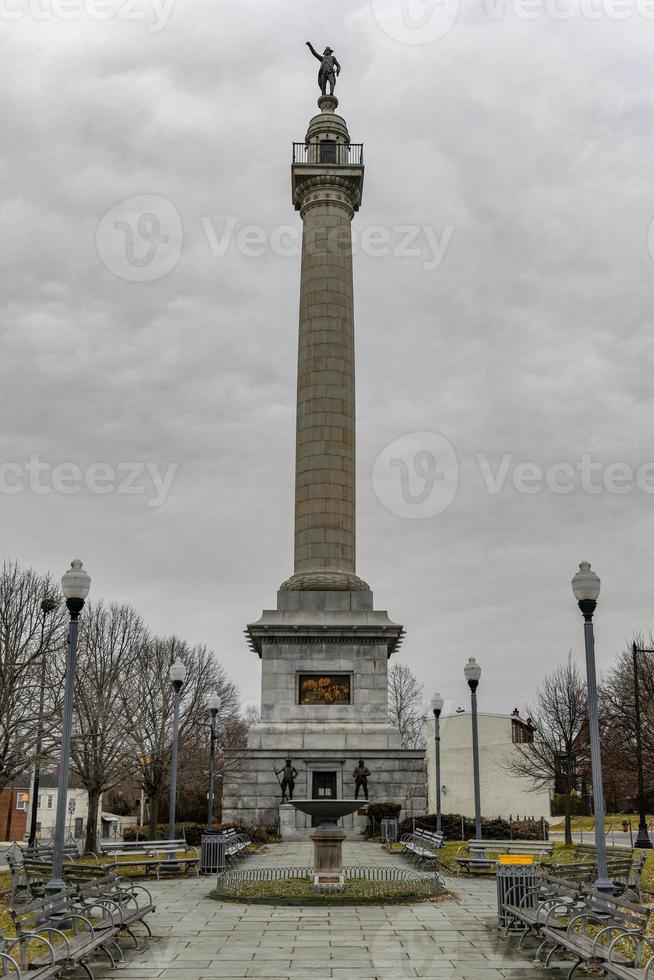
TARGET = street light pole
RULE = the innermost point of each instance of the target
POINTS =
(47, 606)
(436, 705)
(586, 589)
(214, 703)
(642, 840)
(75, 584)
(177, 677)
(472, 672)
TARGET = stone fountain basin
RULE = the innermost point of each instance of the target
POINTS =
(329, 811)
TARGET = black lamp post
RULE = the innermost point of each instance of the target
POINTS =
(75, 584)
(642, 840)
(47, 606)
(177, 678)
(436, 705)
(214, 703)
(586, 590)
(472, 673)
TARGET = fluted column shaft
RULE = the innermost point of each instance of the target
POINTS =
(325, 441)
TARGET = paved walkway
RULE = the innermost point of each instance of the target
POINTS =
(197, 937)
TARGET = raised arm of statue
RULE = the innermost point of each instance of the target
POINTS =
(313, 51)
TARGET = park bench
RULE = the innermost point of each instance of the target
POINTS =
(598, 932)
(131, 901)
(155, 855)
(422, 846)
(236, 844)
(483, 855)
(624, 865)
(58, 936)
(551, 901)
(45, 852)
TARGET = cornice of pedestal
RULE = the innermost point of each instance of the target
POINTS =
(327, 188)
(281, 627)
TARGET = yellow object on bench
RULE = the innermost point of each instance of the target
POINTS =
(516, 858)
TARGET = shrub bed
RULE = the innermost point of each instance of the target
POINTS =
(492, 828)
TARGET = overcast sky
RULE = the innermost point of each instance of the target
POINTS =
(148, 335)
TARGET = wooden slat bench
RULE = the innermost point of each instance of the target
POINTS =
(42, 924)
(236, 844)
(597, 931)
(482, 855)
(157, 856)
(624, 865)
(422, 846)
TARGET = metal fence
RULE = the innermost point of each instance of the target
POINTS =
(329, 153)
(383, 880)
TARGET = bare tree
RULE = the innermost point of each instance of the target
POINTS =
(103, 747)
(150, 705)
(618, 716)
(558, 753)
(26, 637)
(405, 695)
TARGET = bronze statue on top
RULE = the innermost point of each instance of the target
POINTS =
(360, 775)
(329, 68)
(287, 783)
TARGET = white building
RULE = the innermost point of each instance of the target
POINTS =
(77, 809)
(502, 793)
(77, 812)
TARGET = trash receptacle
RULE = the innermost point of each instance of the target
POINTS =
(625, 826)
(516, 885)
(212, 859)
(389, 830)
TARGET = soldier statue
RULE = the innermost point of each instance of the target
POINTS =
(360, 775)
(288, 774)
(329, 68)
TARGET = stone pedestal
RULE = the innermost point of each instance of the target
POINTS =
(328, 857)
(286, 821)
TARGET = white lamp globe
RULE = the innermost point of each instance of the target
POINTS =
(76, 582)
(436, 703)
(472, 671)
(586, 583)
(213, 702)
(178, 672)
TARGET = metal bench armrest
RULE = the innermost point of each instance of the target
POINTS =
(6, 958)
(627, 932)
(46, 942)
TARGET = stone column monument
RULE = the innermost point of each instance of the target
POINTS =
(324, 650)
(327, 190)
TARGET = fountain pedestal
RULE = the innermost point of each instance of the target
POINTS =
(328, 839)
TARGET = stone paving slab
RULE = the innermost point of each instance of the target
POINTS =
(197, 938)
